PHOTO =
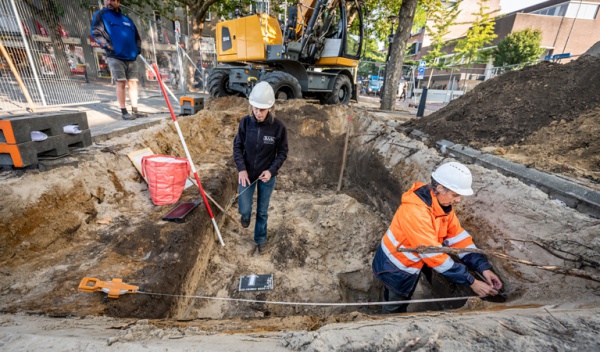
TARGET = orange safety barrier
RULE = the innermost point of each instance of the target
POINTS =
(188, 99)
(7, 129)
(113, 288)
(15, 154)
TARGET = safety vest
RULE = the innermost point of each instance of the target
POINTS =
(417, 223)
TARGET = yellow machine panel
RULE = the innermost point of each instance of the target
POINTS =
(245, 39)
(336, 61)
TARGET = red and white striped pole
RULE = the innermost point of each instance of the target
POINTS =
(187, 152)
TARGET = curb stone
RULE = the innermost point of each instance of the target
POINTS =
(582, 199)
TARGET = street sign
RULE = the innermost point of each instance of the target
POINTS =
(421, 70)
(177, 27)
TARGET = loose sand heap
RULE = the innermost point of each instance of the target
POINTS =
(97, 220)
(545, 116)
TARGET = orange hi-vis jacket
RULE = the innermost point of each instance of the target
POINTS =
(419, 224)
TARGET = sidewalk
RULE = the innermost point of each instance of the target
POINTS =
(104, 118)
(105, 122)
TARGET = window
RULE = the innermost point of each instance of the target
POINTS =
(353, 34)
(582, 11)
(413, 49)
(571, 10)
(558, 10)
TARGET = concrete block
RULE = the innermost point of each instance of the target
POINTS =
(17, 129)
(459, 151)
(29, 153)
(191, 104)
(571, 194)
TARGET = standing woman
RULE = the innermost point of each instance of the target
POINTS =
(259, 149)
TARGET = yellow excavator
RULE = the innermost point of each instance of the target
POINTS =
(314, 54)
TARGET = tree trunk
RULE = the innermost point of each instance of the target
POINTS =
(397, 53)
(430, 76)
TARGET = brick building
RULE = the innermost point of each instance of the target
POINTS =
(567, 26)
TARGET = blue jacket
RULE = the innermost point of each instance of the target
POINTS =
(260, 146)
(117, 34)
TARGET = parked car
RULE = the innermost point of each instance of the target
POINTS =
(374, 87)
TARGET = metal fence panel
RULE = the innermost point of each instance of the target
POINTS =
(56, 62)
(48, 57)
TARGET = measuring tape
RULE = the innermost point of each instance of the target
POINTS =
(429, 300)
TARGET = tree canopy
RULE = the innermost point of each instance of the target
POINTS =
(441, 17)
(481, 33)
(519, 47)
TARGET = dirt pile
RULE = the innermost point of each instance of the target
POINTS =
(545, 116)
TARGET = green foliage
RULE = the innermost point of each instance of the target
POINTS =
(481, 33)
(377, 17)
(442, 17)
(422, 14)
(519, 47)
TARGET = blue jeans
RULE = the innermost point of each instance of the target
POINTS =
(265, 189)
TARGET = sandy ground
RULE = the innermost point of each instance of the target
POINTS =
(541, 329)
(97, 220)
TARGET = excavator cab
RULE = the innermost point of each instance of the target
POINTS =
(314, 54)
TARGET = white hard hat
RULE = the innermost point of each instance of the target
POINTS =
(454, 176)
(262, 96)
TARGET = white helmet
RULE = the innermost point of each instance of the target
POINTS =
(454, 176)
(262, 96)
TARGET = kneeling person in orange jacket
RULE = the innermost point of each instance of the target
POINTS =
(426, 218)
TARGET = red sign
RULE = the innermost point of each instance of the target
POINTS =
(41, 30)
(25, 29)
(63, 32)
(93, 43)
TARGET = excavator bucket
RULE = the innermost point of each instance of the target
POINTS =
(113, 288)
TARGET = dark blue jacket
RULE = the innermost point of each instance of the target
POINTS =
(260, 146)
(117, 34)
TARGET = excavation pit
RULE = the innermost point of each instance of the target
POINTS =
(97, 220)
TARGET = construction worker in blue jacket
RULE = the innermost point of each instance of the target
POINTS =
(119, 37)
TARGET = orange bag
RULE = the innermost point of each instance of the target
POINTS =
(166, 176)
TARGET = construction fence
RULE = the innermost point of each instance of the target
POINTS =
(48, 58)
(456, 78)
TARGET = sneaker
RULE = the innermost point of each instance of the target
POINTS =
(128, 116)
(262, 248)
(138, 114)
(245, 223)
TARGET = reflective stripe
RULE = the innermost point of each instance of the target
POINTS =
(454, 240)
(391, 237)
(409, 255)
(398, 263)
(462, 255)
(447, 265)
(429, 255)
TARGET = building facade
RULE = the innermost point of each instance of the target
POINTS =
(568, 27)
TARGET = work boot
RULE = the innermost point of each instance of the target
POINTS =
(262, 248)
(245, 223)
(138, 114)
(128, 116)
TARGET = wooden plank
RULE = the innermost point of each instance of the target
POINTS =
(17, 76)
